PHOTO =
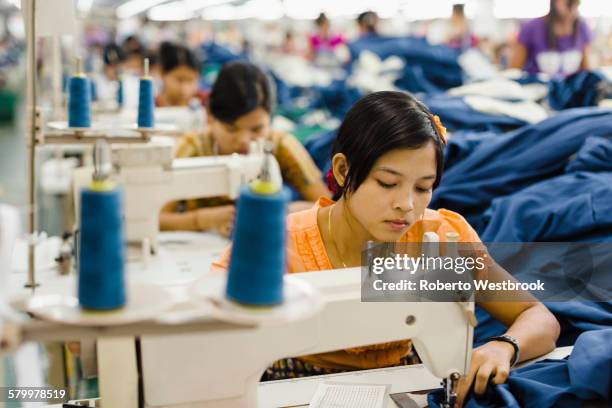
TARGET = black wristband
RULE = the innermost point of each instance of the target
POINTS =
(511, 340)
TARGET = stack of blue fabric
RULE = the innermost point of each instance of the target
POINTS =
(511, 162)
(546, 182)
(429, 68)
(584, 88)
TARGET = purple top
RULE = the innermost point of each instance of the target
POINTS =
(317, 42)
(565, 59)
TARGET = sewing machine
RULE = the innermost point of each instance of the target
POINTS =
(150, 178)
(187, 359)
(441, 334)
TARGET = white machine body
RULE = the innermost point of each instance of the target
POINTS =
(150, 178)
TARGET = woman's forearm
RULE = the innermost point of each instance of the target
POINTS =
(172, 221)
(536, 330)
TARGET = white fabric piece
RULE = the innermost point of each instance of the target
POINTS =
(476, 65)
(296, 71)
(503, 89)
(530, 112)
(370, 74)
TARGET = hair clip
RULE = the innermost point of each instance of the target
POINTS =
(441, 129)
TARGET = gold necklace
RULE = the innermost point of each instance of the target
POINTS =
(331, 235)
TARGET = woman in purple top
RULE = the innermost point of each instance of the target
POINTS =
(556, 44)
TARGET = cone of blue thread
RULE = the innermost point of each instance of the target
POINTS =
(119, 93)
(79, 100)
(101, 239)
(258, 260)
(93, 90)
(146, 99)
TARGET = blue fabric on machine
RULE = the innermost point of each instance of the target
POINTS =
(586, 375)
(455, 114)
(516, 160)
(584, 88)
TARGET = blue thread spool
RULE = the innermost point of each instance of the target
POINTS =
(257, 262)
(101, 250)
(79, 102)
(146, 99)
(101, 239)
(120, 93)
(93, 90)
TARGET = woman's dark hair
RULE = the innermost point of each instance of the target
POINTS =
(381, 122)
(113, 54)
(368, 20)
(322, 18)
(240, 88)
(549, 20)
(172, 56)
(459, 9)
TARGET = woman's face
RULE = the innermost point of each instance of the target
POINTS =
(180, 85)
(235, 137)
(396, 192)
(567, 9)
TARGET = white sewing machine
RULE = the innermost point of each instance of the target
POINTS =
(198, 361)
(234, 361)
(150, 178)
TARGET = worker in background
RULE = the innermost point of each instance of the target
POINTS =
(367, 22)
(180, 76)
(134, 52)
(107, 82)
(387, 159)
(239, 112)
(323, 41)
(556, 44)
(459, 34)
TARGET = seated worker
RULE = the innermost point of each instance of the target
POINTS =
(556, 44)
(239, 112)
(386, 162)
(180, 75)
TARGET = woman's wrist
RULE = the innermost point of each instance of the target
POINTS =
(510, 345)
(199, 221)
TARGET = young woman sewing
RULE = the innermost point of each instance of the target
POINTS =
(386, 161)
(239, 111)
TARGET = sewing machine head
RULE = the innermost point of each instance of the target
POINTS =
(150, 178)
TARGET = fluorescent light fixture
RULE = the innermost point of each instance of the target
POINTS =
(522, 9)
(308, 10)
(180, 10)
(414, 10)
(84, 5)
(135, 7)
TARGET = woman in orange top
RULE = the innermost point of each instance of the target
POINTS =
(386, 161)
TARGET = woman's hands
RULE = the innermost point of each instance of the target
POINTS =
(219, 219)
(489, 360)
